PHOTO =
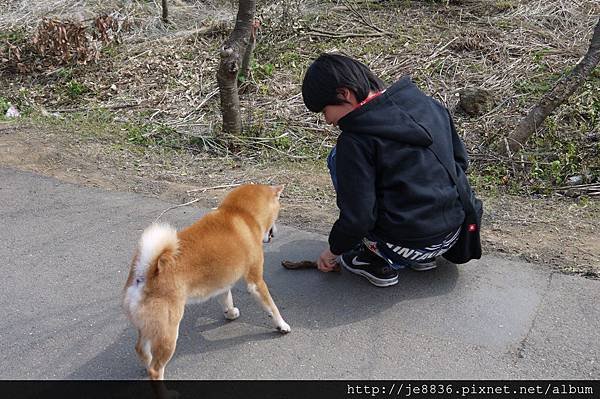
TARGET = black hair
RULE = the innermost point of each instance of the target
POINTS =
(330, 72)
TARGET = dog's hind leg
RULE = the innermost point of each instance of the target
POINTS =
(258, 288)
(165, 330)
(142, 347)
(226, 301)
(162, 347)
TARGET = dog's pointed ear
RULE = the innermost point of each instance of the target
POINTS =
(277, 190)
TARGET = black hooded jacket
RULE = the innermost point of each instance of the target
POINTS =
(389, 182)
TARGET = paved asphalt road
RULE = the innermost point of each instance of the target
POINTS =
(65, 253)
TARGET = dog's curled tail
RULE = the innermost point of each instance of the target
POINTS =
(158, 245)
(157, 248)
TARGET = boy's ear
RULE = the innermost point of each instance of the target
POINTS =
(346, 95)
(343, 93)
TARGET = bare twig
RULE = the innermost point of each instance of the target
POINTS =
(362, 17)
(175, 206)
(203, 189)
(587, 252)
(587, 185)
(204, 101)
(79, 109)
(319, 32)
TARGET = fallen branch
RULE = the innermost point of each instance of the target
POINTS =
(368, 22)
(119, 106)
(587, 252)
(305, 264)
(593, 185)
(322, 33)
(175, 206)
(213, 187)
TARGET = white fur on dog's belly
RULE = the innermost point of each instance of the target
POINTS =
(200, 297)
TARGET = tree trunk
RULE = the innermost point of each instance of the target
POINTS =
(555, 97)
(245, 70)
(165, 12)
(231, 53)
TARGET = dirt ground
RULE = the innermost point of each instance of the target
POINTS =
(556, 232)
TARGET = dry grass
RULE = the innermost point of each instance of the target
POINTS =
(165, 75)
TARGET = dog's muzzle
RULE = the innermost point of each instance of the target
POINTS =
(270, 233)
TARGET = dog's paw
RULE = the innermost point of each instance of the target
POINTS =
(284, 328)
(232, 314)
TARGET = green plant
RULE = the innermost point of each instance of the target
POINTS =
(504, 24)
(147, 134)
(583, 201)
(445, 2)
(109, 50)
(15, 36)
(539, 55)
(4, 105)
(555, 171)
(136, 134)
(567, 162)
(490, 177)
(75, 89)
(262, 71)
(65, 73)
(532, 86)
(504, 5)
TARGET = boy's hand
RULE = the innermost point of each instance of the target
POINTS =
(327, 261)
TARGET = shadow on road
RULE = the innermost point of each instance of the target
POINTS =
(307, 299)
(312, 299)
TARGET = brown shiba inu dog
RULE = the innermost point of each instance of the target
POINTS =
(201, 261)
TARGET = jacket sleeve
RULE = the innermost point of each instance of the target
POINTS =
(356, 198)
(460, 153)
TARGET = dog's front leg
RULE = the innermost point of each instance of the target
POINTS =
(261, 293)
(226, 301)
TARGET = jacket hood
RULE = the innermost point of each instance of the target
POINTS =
(398, 114)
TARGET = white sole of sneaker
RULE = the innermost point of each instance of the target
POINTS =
(372, 279)
(423, 267)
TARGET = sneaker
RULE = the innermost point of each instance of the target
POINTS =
(373, 268)
(421, 267)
